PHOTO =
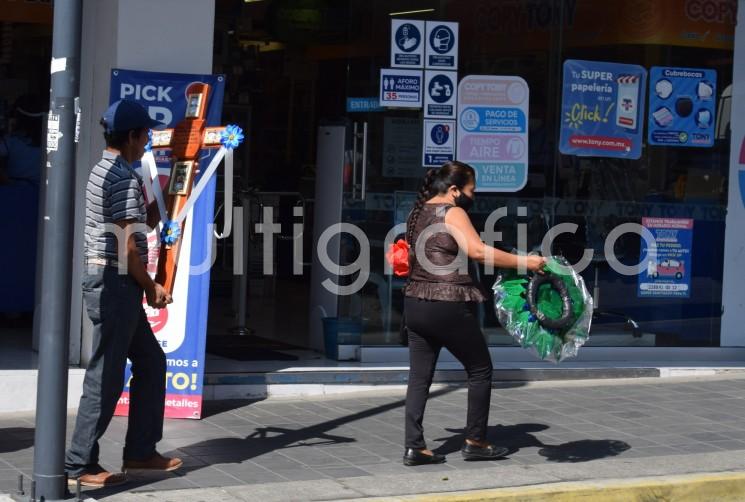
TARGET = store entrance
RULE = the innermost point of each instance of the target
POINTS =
(284, 75)
(290, 73)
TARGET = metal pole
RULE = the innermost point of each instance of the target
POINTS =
(51, 400)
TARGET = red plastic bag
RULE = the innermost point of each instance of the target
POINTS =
(398, 258)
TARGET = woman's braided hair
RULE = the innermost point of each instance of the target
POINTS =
(436, 182)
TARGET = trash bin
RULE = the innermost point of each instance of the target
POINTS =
(340, 331)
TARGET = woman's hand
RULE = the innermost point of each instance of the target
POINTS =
(535, 263)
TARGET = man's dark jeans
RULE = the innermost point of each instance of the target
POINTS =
(120, 331)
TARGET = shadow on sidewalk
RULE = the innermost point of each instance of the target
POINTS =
(264, 440)
(584, 450)
(16, 439)
(517, 437)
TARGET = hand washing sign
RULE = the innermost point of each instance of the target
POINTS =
(493, 130)
(441, 94)
(682, 106)
(601, 109)
(407, 44)
(668, 273)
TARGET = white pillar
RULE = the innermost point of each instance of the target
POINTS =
(733, 294)
(164, 35)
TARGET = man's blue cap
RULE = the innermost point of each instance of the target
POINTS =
(125, 114)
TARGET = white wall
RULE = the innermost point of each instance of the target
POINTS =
(153, 35)
(733, 293)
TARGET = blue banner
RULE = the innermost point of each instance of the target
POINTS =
(181, 328)
(682, 106)
(601, 109)
(668, 264)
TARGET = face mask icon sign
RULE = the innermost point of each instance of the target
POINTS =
(442, 39)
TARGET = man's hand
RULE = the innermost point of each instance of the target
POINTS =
(158, 297)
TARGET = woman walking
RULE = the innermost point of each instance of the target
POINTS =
(440, 306)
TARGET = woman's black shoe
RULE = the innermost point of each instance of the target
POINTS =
(491, 452)
(416, 457)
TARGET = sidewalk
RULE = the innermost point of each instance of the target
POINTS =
(350, 447)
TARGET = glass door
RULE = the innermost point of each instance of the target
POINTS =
(386, 169)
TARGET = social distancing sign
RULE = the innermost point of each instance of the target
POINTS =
(439, 142)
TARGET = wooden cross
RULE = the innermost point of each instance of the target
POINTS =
(185, 142)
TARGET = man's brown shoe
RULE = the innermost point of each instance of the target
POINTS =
(155, 463)
(99, 479)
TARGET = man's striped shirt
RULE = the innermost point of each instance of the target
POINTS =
(113, 194)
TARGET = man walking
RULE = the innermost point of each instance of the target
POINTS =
(114, 281)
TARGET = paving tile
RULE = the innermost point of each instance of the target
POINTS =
(697, 448)
(706, 437)
(670, 439)
(341, 472)
(166, 484)
(316, 459)
(307, 474)
(251, 475)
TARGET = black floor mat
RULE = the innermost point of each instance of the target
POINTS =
(249, 348)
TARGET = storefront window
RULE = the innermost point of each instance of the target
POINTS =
(304, 61)
(533, 39)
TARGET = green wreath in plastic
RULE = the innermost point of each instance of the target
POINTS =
(549, 314)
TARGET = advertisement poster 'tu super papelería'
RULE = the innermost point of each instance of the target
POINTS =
(602, 109)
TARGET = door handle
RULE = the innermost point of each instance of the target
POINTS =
(364, 161)
(354, 161)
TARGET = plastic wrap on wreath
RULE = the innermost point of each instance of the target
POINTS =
(555, 322)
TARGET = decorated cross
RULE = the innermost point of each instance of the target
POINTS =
(186, 141)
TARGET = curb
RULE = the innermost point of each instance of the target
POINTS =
(720, 487)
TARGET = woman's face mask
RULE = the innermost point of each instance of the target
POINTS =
(463, 201)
